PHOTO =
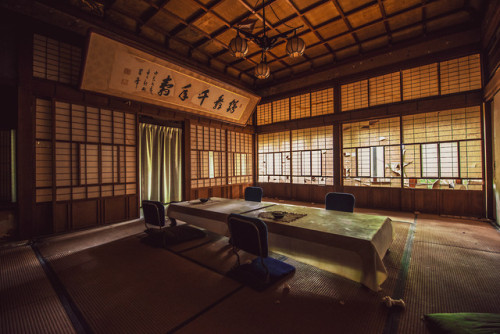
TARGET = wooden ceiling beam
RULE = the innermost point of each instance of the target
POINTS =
(347, 23)
(151, 11)
(310, 26)
(368, 25)
(183, 42)
(384, 18)
(380, 35)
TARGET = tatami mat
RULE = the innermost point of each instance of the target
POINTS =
(453, 268)
(28, 303)
(128, 287)
(118, 283)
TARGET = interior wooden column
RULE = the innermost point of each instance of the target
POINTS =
(25, 140)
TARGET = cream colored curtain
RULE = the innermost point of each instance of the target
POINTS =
(160, 163)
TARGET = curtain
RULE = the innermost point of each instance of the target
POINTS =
(160, 163)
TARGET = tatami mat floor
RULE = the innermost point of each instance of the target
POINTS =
(113, 280)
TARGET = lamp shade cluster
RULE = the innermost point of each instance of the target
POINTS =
(238, 47)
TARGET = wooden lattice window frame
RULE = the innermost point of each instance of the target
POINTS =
(456, 158)
(208, 156)
(363, 144)
(274, 157)
(312, 156)
(55, 60)
(69, 152)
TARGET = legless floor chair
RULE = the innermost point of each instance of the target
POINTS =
(154, 215)
(250, 235)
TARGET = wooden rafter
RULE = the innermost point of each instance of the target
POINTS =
(380, 35)
(372, 24)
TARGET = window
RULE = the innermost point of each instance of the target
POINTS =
(300, 106)
(460, 75)
(208, 156)
(371, 153)
(54, 60)
(312, 156)
(385, 89)
(274, 157)
(239, 157)
(455, 75)
(442, 150)
(86, 158)
(354, 95)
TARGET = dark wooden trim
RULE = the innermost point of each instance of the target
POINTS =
(186, 157)
(492, 87)
(488, 160)
(362, 75)
(429, 104)
(25, 146)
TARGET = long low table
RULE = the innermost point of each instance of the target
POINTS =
(351, 245)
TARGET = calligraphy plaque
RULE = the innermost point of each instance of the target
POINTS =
(117, 69)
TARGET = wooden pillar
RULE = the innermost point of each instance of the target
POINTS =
(337, 143)
(25, 137)
(187, 160)
(488, 161)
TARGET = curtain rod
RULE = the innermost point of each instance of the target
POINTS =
(151, 120)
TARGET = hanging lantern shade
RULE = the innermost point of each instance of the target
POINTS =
(238, 46)
(262, 71)
(295, 46)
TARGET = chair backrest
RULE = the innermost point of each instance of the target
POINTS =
(340, 202)
(248, 234)
(154, 213)
(253, 194)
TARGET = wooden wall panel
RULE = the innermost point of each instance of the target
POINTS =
(461, 203)
(133, 207)
(276, 190)
(408, 200)
(43, 214)
(85, 213)
(426, 201)
(115, 209)
(61, 217)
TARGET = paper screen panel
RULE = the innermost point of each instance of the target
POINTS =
(371, 133)
(354, 95)
(92, 124)
(43, 122)
(118, 128)
(281, 110)
(322, 102)
(130, 129)
(461, 74)
(78, 120)
(107, 170)
(385, 89)
(62, 121)
(471, 162)
(63, 164)
(208, 157)
(54, 60)
(447, 125)
(130, 164)
(106, 126)
(264, 114)
(420, 82)
(312, 150)
(300, 106)
(43, 164)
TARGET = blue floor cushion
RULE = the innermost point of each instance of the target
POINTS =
(254, 275)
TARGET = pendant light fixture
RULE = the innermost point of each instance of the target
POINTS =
(238, 46)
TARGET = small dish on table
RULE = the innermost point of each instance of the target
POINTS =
(278, 214)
